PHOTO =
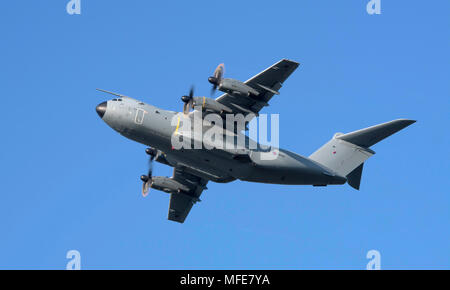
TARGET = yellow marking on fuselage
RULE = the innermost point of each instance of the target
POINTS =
(178, 126)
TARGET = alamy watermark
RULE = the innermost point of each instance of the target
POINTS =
(74, 263)
(75, 260)
(374, 7)
(374, 257)
(74, 7)
(210, 133)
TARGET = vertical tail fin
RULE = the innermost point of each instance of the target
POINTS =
(345, 153)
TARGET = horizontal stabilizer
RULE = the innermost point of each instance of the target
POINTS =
(372, 135)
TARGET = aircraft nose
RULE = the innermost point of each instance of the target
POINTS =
(101, 109)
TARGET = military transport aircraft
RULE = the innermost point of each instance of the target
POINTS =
(339, 161)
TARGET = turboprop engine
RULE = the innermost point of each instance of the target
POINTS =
(205, 103)
(167, 184)
(229, 86)
(236, 87)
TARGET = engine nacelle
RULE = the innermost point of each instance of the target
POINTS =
(157, 155)
(235, 87)
(211, 104)
(167, 184)
(161, 158)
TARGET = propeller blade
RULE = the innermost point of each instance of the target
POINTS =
(147, 179)
(150, 168)
(188, 101)
(218, 72)
(145, 188)
(216, 79)
(152, 152)
(145, 184)
(186, 108)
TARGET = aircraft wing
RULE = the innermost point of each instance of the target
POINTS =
(182, 202)
(267, 83)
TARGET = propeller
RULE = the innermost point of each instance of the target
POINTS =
(147, 179)
(188, 101)
(217, 77)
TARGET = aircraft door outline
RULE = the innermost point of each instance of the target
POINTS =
(139, 117)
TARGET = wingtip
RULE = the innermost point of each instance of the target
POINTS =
(407, 122)
(290, 60)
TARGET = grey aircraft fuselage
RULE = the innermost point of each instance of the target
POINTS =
(153, 127)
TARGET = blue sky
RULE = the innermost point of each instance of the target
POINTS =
(68, 181)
